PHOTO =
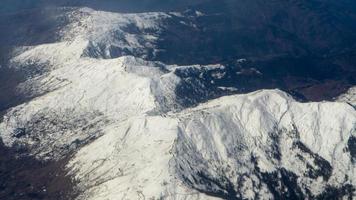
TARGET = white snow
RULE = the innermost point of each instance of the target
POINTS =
(112, 32)
(218, 138)
(119, 118)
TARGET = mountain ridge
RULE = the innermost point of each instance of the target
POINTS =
(135, 129)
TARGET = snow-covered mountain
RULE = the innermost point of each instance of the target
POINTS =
(139, 129)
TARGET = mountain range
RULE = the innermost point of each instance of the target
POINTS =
(178, 100)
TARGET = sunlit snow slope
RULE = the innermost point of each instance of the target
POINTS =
(133, 133)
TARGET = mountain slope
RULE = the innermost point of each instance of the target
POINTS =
(136, 129)
(260, 145)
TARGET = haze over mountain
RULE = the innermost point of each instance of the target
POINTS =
(231, 99)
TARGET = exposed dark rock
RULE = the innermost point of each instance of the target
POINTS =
(352, 148)
(283, 185)
(223, 187)
(323, 167)
(345, 192)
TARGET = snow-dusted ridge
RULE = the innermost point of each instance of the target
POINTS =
(113, 35)
(133, 137)
(229, 147)
(348, 97)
